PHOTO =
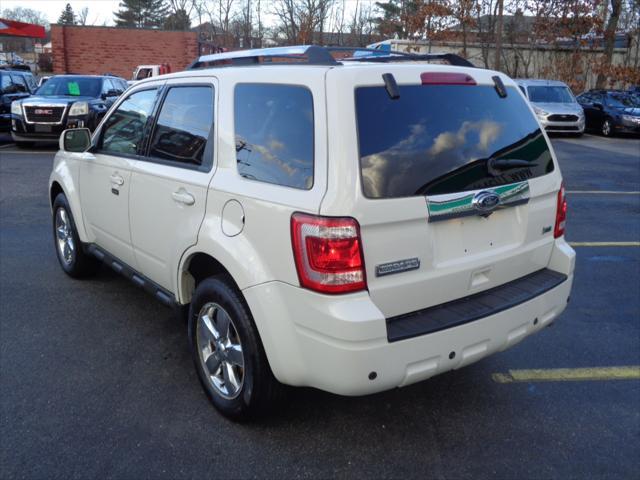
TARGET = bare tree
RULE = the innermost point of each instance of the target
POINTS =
(83, 16)
(299, 20)
(609, 42)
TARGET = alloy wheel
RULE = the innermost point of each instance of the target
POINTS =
(220, 350)
(64, 236)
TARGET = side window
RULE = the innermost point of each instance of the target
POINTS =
(31, 81)
(143, 73)
(274, 134)
(124, 129)
(184, 125)
(107, 85)
(5, 83)
(21, 85)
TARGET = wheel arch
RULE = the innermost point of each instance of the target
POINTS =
(194, 268)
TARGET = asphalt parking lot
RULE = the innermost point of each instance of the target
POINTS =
(96, 379)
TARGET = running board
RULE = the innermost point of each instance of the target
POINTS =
(474, 307)
(160, 293)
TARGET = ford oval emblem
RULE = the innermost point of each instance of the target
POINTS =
(486, 202)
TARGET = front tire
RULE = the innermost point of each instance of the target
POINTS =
(73, 260)
(227, 352)
(607, 128)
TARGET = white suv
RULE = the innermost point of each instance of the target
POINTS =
(350, 223)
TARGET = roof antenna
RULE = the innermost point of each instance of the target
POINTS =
(499, 86)
(391, 86)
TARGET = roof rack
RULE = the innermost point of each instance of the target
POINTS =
(316, 55)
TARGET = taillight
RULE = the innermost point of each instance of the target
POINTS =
(328, 253)
(561, 213)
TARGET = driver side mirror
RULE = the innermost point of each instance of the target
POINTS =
(76, 140)
(111, 93)
(598, 106)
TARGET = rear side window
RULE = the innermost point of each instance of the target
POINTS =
(438, 139)
(19, 81)
(124, 129)
(184, 125)
(274, 134)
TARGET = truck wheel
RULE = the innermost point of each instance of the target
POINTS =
(228, 354)
(73, 260)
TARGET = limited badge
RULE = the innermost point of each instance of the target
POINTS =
(398, 266)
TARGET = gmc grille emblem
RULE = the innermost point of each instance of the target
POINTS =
(43, 111)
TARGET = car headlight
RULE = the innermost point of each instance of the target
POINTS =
(79, 108)
(540, 112)
(627, 118)
(16, 108)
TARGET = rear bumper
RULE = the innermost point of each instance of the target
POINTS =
(338, 343)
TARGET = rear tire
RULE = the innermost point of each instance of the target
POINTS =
(69, 250)
(227, 351)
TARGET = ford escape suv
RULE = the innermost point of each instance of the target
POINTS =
(347, 222)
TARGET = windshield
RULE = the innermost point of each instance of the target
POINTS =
(550, 95)
(444, 138)
(71, 86)
(621, 100)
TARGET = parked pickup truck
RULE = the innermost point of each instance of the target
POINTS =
(146, 71)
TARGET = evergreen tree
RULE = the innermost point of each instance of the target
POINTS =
(141, 13)
(67, 17)
(178, 21)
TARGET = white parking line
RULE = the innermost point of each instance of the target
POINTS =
(604, 244)
(601, 192)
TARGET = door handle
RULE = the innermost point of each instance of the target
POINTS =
(182, 196)
(117, 180)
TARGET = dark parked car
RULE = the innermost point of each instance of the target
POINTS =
(64, 101)
(611, 111)
(14, 85)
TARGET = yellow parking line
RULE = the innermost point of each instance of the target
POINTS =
(604, 244)
(569, 374)
(602, 192)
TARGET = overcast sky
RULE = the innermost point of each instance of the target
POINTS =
(100, 11)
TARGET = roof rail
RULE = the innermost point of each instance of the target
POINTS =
(306, 54)
(316, 55)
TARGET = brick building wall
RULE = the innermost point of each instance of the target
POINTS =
(97, 50)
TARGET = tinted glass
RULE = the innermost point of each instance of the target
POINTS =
(184, 124)
(5, 82)
(73, 86)
(550, 95)
(444, 138)
(124, 129)
(523, 90)
(274, 134)
(621, 100)
(107, 85)
(19, 82)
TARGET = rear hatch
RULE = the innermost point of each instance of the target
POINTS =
(456, 183)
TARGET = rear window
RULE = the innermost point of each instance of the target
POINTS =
(439, 139)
